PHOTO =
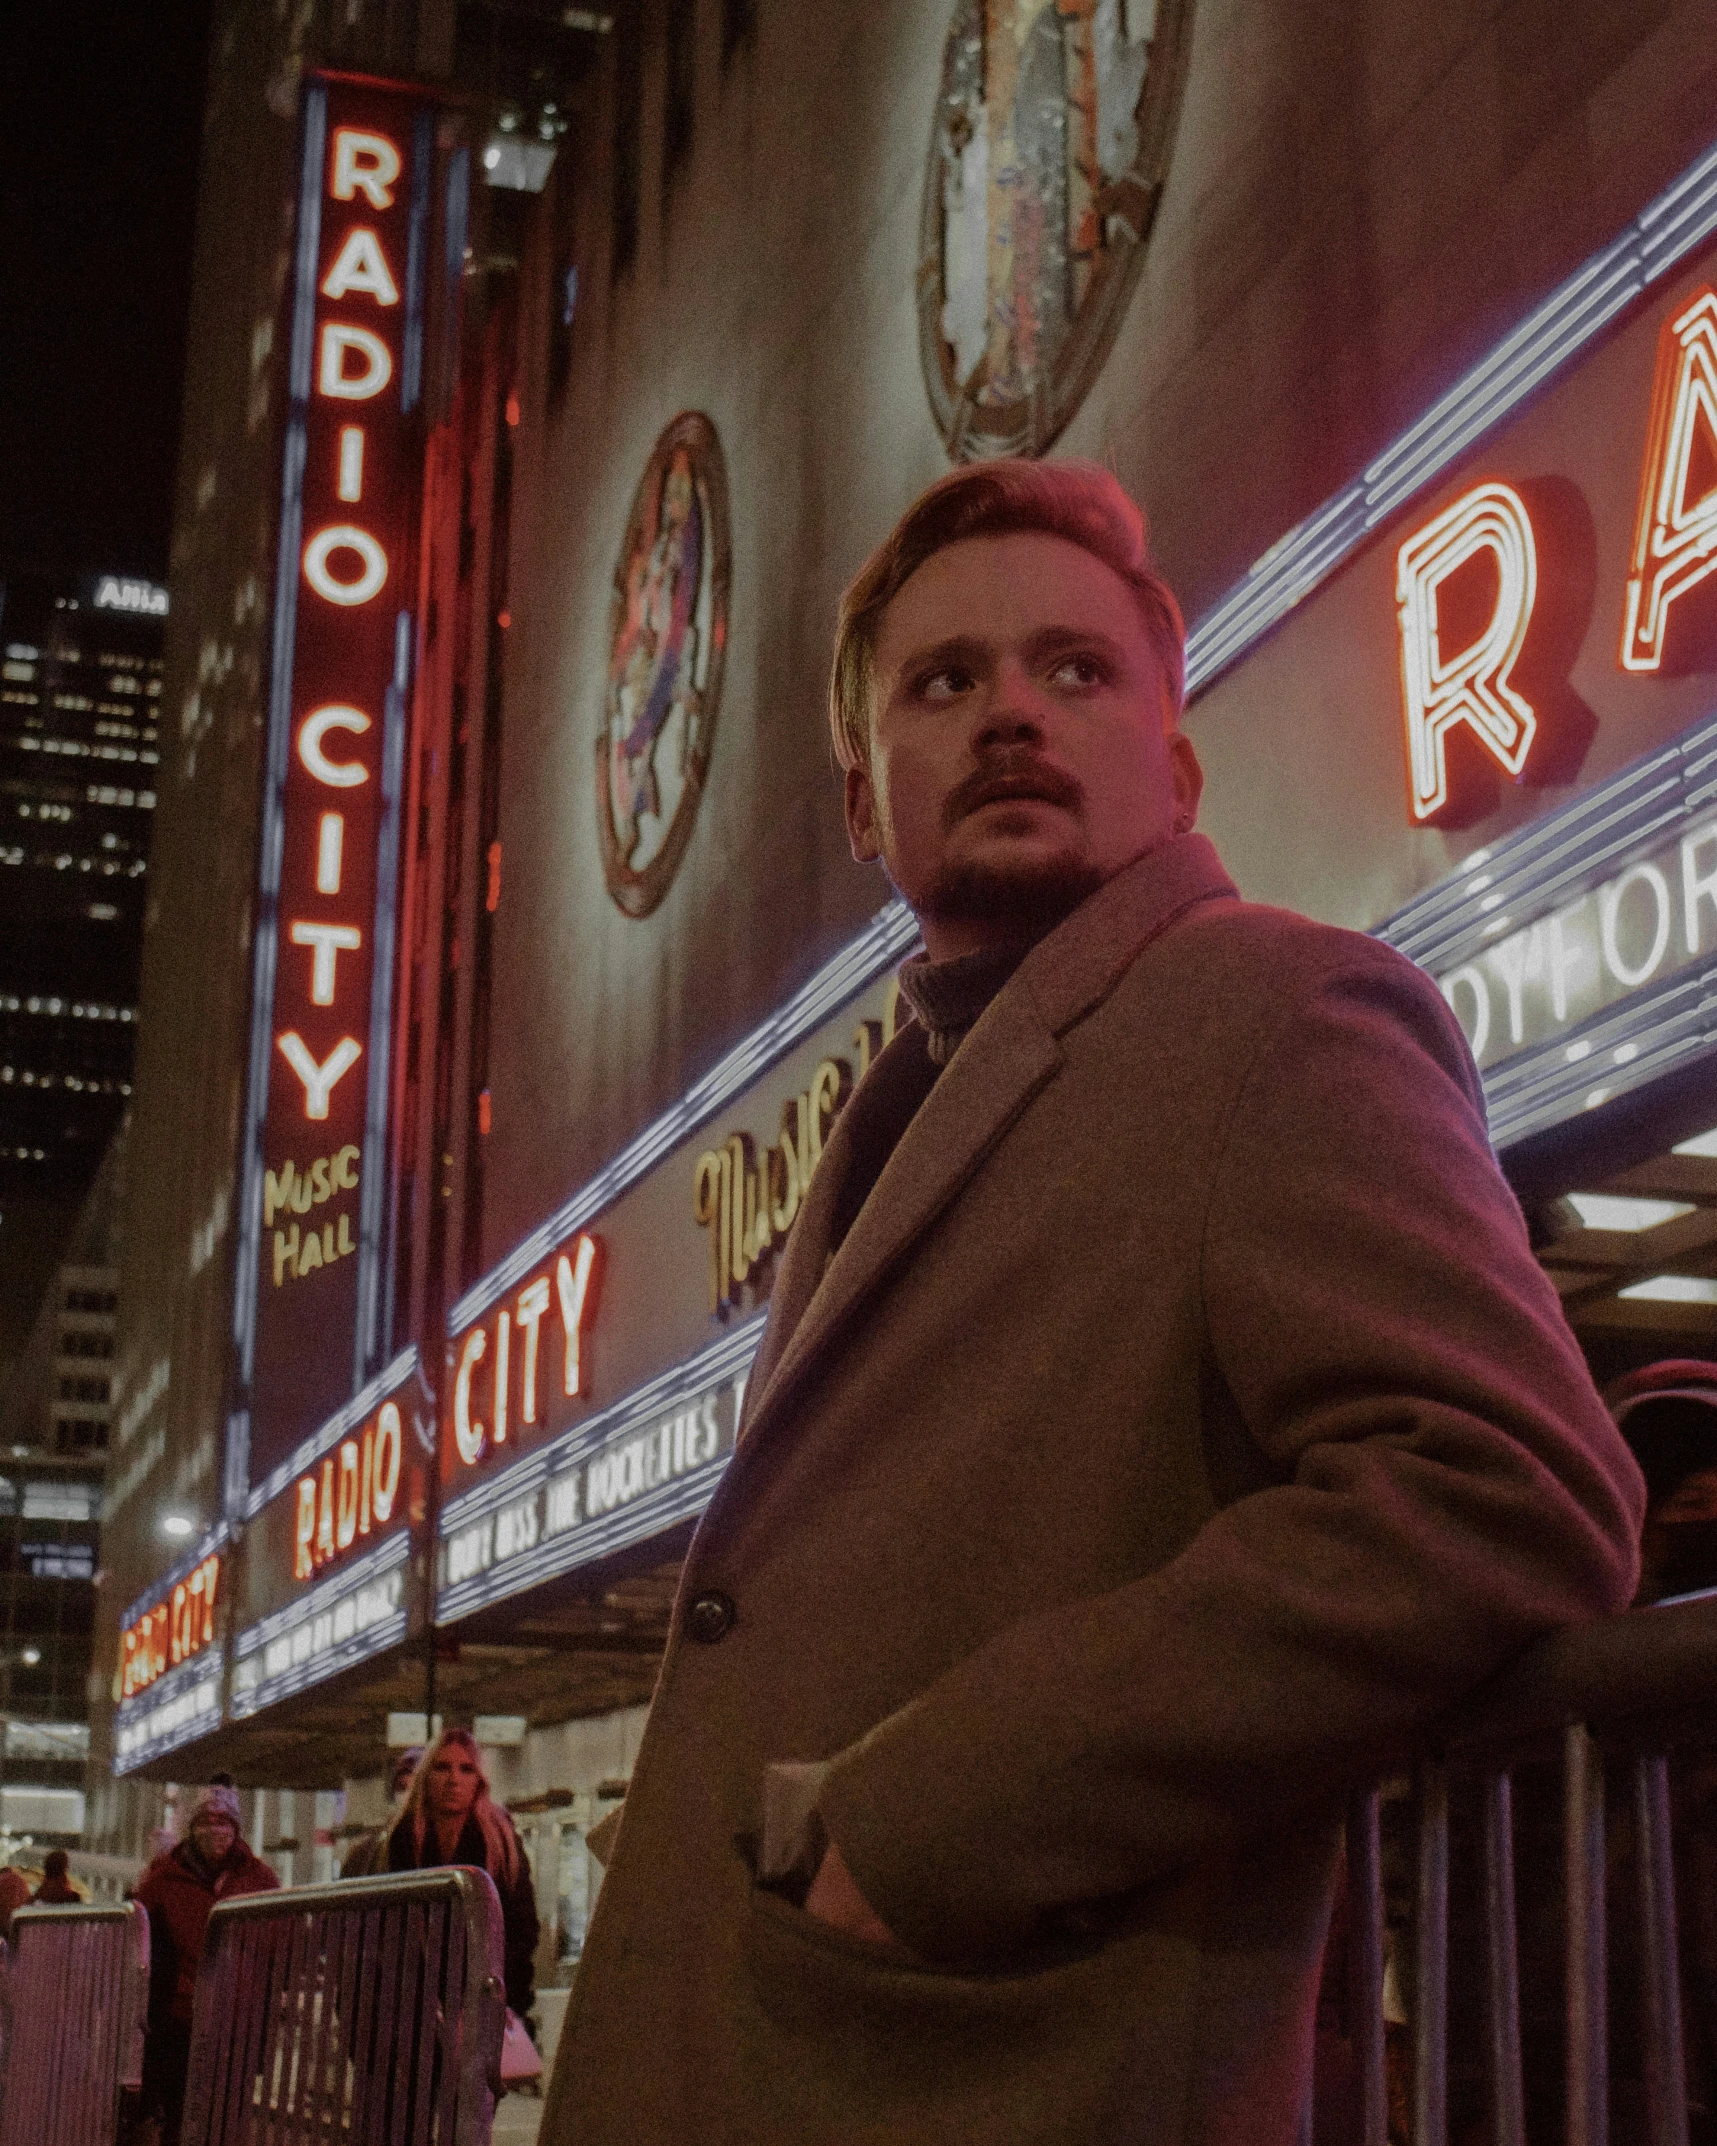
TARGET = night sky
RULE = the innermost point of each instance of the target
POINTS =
(100, 120)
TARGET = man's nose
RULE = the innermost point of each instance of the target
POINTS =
(1013, 716)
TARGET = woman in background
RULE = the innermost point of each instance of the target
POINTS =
(450, 1817)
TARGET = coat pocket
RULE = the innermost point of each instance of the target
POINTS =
(878, 2048)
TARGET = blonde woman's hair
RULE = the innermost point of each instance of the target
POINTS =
(500, 1842)
(1076, 500)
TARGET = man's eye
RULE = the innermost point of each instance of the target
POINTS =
(1082, 669)
(945, 684)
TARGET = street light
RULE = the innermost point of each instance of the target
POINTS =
(177, 1525)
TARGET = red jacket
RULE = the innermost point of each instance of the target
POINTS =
(179, 1890)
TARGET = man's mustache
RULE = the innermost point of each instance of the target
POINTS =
(1011, 775)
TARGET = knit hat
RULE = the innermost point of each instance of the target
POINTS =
(218, 1803)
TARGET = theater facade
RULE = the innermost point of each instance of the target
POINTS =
(508, 969)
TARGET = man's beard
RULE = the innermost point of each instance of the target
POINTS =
(1026, 898)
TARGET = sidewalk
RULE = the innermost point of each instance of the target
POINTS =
(516, 2120)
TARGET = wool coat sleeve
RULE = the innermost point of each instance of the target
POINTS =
(1442, 1485)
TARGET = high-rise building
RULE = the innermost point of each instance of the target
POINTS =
(80, 687)
(54, 1408)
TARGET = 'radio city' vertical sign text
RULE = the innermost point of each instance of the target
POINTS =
(324, 972)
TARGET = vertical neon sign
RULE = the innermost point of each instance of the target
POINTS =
(308, 1308)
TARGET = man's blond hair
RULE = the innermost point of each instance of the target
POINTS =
(1076, 500)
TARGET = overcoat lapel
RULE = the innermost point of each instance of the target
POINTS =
(1009, 1056)
(977, 1097)
(900, 1074)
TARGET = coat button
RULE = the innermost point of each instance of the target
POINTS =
(710, 1617)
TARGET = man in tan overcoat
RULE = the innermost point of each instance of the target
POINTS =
(1161, 1418)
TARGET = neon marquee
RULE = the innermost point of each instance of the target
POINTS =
(515, 1371)
(1675, 540)
(351, 1495)
(1470, 683)
(174, 1629)
(1463, 678)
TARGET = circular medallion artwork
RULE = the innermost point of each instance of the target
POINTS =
(1053, 130)
(667, 636)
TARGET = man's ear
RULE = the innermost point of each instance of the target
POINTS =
(1188, 778)
(861, 816)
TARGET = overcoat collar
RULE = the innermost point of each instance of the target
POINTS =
(1012, 1051)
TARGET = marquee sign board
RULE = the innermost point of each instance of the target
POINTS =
(1511, 639)
(638, 1468)
(309, 1309)
(356, 1612)
(359, 1480)
(620, 1407)
(184, 1705)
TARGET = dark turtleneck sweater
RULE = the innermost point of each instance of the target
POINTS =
(949, 996)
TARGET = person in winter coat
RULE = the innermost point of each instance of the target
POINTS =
(450, 1817)
(1160, 1419)
(179, 1890)
(56, 1889)
(14, 1894)
(368, 1854)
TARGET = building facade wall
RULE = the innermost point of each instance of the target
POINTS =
(1360, 202)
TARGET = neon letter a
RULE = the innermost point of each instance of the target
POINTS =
(1675, 539)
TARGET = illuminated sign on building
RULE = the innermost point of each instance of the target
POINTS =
(1650, 921)
(332, 1517)
(309, 1312)
(1468, 682)
(1580, 954)
(171, 1664)
(323, 1584)
(170, 1631)
(354, 1613)
(513, 1371)
(351, 1495)
(1675, 540)
(647, 1463)
(749, 1201)
(1463, 677)
(122, 592)
(184, 1705)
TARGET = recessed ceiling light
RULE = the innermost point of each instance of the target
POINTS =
(1609, 1210)
(1700, 1144)
(31, 1656)
(178, 1525)
(1672, 1289)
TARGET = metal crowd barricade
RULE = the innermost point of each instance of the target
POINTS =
(369, 2012)
(1613, 1705)
(73, 2001)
